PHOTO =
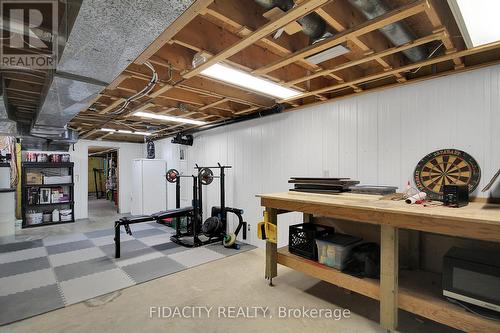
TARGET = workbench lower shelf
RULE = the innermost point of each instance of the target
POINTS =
(419, 293)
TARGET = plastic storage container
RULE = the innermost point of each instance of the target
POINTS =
(47, 217)
(301, 239)
(34, 218)
(334, 250)
(66, 215)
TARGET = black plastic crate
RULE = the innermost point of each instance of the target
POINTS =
(301, 239)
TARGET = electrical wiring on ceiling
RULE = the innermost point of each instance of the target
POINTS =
(151, 84)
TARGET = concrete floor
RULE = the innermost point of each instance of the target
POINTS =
(233, 281)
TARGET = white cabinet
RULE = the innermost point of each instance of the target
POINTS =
(149, 194)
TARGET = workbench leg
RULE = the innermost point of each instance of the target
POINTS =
(307, 218)
(389, 277)
(272, 249)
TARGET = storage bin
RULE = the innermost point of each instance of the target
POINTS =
(54, 180)
(301, 239)
(33, 178)
(47, 217)
(334, 250)
(34, 218)
(66, 215)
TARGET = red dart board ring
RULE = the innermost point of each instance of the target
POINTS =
(443, 167)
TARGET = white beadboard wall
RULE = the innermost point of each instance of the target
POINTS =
(377, 138)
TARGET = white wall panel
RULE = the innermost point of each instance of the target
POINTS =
(377, 138)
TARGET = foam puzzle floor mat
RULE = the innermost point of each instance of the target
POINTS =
(46, 274)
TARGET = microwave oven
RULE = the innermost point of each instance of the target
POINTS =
(472, 277)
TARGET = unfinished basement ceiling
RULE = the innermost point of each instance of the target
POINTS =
(267, 39)
(108, 35)
(102, 38)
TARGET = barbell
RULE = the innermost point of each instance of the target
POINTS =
(205, 175)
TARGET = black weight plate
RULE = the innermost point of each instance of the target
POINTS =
(211, 227)
(172, 175)
(206, 176)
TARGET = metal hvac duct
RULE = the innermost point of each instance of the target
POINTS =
(64, 100)
(312, 24)
(315, 27)
(7, 126)
(397, 33)
(104, 38)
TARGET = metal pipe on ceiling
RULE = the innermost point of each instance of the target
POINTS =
(312, 24)
(397, 33)
(315, 27)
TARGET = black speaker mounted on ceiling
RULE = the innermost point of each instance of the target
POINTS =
(181, 139)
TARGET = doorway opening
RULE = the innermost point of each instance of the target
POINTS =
(103, 182)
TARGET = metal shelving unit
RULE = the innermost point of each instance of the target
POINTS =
(29, 166)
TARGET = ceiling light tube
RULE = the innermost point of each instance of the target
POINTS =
(169, 118)
(125, 131)
(248, 81)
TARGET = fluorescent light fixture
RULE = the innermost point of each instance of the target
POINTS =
(478, 20)
(328, 54)
(169, 118)
(243, 79)
(125, 131)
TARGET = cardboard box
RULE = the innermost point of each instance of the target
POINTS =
(33, 178)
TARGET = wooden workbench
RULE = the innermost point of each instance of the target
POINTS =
(414, 291)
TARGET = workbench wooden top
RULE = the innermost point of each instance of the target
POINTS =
(476, 220)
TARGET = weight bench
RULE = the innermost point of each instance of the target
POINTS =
(127, 221)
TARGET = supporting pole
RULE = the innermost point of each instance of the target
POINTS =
(200, 199)
(178, 192)
(389, 277)
(223, 198)
(195, 207)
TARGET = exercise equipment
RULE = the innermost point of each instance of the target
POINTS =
(160, 216)
(214, 228)
(206, 176)
(196, 233)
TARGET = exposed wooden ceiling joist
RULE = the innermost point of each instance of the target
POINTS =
(239, 34)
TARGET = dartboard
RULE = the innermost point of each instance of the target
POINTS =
(444, 167)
